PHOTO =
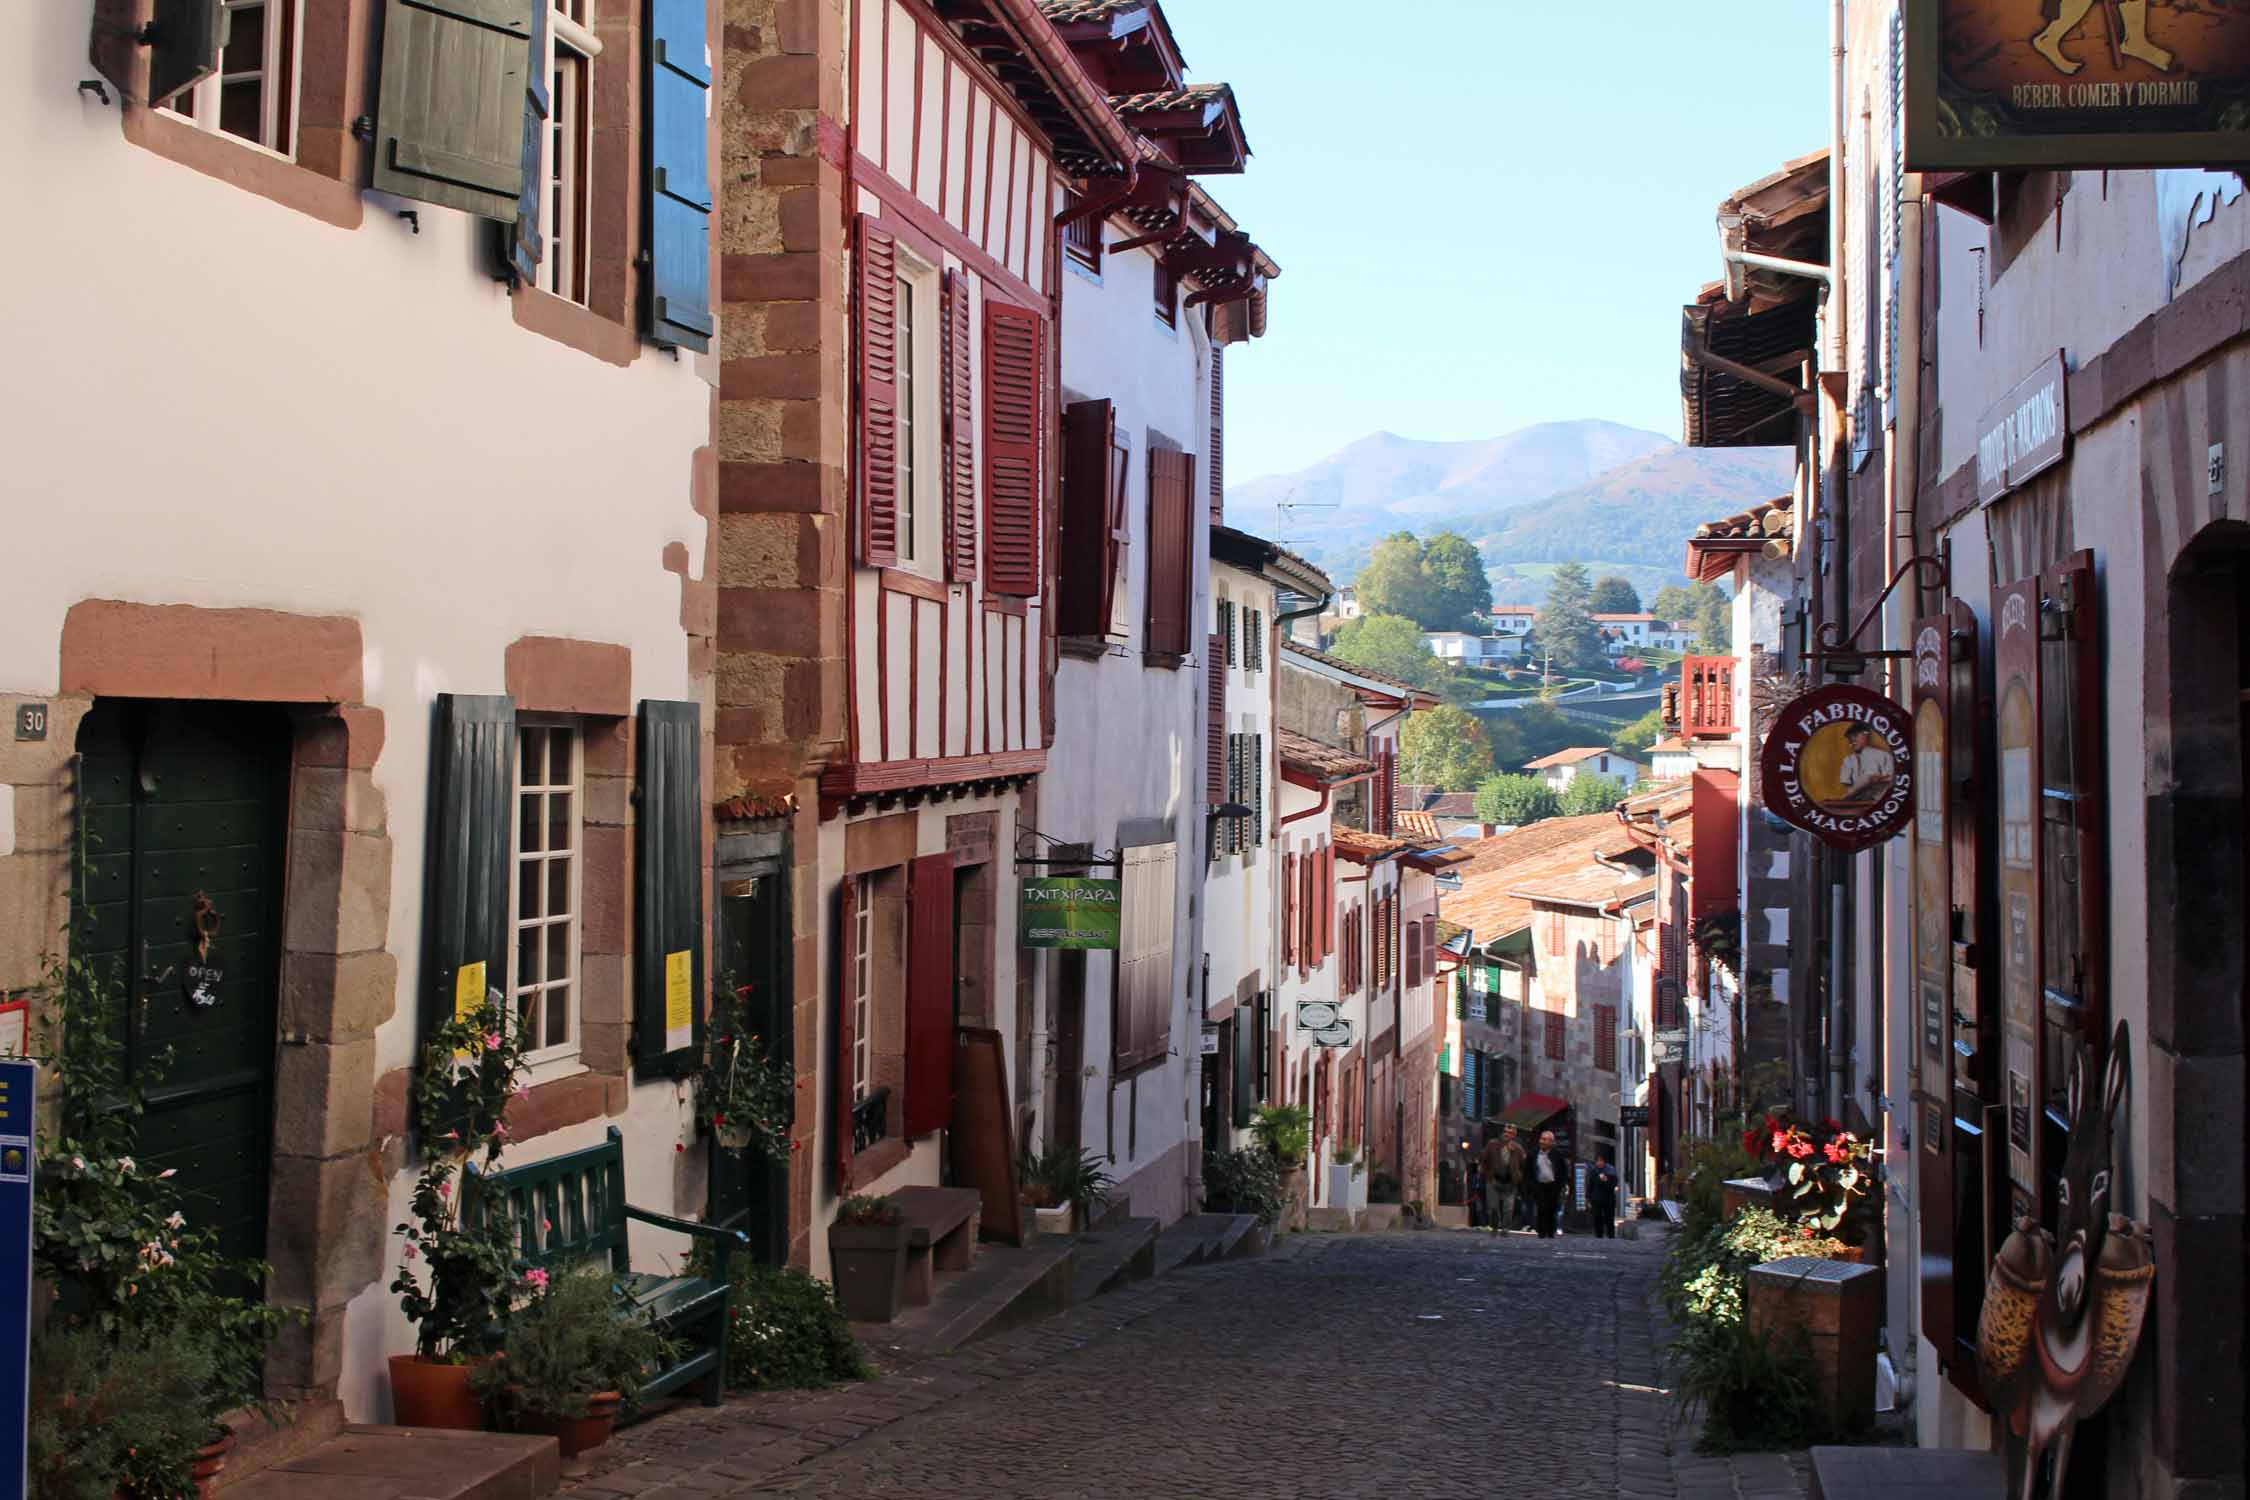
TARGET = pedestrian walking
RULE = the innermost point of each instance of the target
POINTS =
(1601, 1198)
(1550, 1174)
(1502, 1163)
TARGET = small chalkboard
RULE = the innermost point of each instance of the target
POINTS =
(200, 982)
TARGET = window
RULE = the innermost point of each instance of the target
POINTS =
(1557, 929)
(1554, 1022)
(1083, 239)
(1226, 628)
(253, 96)
(918, 420)
(572, 49)
(544, 910)
(1167, 294)
(863, 992)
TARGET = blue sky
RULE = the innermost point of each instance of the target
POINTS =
(1488, 212)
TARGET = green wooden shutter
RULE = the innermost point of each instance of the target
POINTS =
(472, 796)
(521, 244)
(679, 176)
(668, 876)
(449, 114)
(184, 38)
(1248, 1044)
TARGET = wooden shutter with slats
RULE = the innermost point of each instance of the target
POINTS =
(1084, 571)
(1171, 560)
(877, 312)
(521, 244)
(929, 997)
(465, 916)
(183, 42)
(1217, 760)
(678, 147)
(449, 109)
(1258, 788)
(1288, 909)
(1015, 383)
(668, 876)
(1217, 450)
(960, 435)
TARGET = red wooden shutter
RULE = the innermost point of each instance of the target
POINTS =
(1288, 910)
(1605, 1038)
(1328, 904)
(878, 394)
(1555, 1037)
(1413, 954)
(929, 998)
(847, 893)
(1084, 572)
(1386, 792)
(1215, 730)
(1218, 452)
(1171, 533)
(960, 435)
(1015, 384)
(1429, 944)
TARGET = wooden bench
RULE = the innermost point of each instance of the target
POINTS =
(571, 1209)
(942, 1225)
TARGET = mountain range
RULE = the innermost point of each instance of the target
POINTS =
(1618, 499)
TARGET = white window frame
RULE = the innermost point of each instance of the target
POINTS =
(550, 1061)
(921, 504)
(199, 105)
(863, 989)
(567, 152)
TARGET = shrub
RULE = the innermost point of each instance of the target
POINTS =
(1244, 1182)
(788, 1332)
(1285, 1130)
(118, 1414)
(573, 1339)
(1062, 1175)
(1383, 1188)
(860, 1208)
(1752, 1392)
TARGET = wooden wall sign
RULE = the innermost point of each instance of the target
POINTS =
(2016, 86)
(1839, 763)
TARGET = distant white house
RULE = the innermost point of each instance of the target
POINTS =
(1670, 760)
(1465, 649)
(1624, 634)
(1561, 768)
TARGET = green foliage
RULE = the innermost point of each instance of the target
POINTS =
(1060, 1174)
(120, 1414)
(1244, 1182)
(869, 1209)
(575, 1338)
(1714, 621)
(1614, 596)
(1710, 1164)
(1391, 646)
(1283, 1129)
(1567, 631)
(1588, 793)
(1635, 738)
(788, 1332)
(743, 1094)
(1513, 801)
(471, 1070)
(1439, 585)
(1522, 735)
(1674, 602)
(1444, 747)
(1382, 1187)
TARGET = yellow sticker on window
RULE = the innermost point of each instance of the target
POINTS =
(468, 989)
(679, 1003)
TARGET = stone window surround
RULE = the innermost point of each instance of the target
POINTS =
(338, 62)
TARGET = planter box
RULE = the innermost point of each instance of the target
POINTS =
(1063, 1220)
(1738, 1193)
(1836, 1306)
(1347, 1187)
(868, 1263)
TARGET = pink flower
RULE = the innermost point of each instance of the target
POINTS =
(537, 1279)
(412, 1252)
(167, 1172)
(445, 1190)
(125, 1163)
(546, 1226)
(499, 1127)
(1780, 1142)
(523, 1091)
(492, 1041)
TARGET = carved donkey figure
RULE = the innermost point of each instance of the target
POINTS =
(2061, 1318)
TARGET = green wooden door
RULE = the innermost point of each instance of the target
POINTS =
(751, 1194)
(184, 805)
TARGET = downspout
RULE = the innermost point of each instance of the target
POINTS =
(1831, 518)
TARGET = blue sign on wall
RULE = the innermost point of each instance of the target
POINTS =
(19, 1081)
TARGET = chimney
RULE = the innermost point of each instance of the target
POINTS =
(1487, 830)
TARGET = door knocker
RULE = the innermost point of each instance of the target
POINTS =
(201, 978)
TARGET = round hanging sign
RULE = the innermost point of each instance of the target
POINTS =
(1839, 763)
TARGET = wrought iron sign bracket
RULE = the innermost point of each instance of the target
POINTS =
(1839, 655)
(1093, 859)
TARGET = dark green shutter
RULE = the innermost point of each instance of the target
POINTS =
(1248, 1045)
(521, 244)
(668, 875)
(184, 38)
(472, 798)
(449, 116)
(679, 176)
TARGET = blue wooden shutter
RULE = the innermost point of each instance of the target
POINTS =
(679, 176)
(521, 245)
(668, 879)
(449, 114)
(472, 797)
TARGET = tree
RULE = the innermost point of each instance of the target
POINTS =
(1614, 596)
(1540, 730)
(1444, 747)
(1391, 647)
(1714, 622)
(1635, 738)
(1566, 625)
(1588, 793)
(1394, 581)
(1674, 603)
(1513, 801)
(1458, 588)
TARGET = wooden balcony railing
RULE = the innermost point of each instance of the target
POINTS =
(1707, 696)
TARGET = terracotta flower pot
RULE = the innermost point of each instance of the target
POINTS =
(209, 1460)
(579, 1433)
(433, 1393)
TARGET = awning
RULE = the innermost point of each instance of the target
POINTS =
(1530, 1111)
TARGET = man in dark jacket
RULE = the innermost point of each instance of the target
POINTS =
(1601, 1198)
(1550, 1175)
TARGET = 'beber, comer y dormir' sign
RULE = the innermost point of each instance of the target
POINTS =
(1839, 763)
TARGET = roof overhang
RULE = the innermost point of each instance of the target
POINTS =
(1020, 47)
(1127, 45)
(1199, 127)
(1313, 779)
(1741, 370)
(1784, 216)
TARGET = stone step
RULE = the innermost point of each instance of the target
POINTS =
(1243, 1238)
(1111, 1257)
(1008, 1286)
(412, 1463)
(1328, 1220)
(1192, 1241)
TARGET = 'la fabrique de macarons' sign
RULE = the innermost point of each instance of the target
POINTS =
(1839, 763)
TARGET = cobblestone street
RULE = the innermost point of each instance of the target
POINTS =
(1436, 1363)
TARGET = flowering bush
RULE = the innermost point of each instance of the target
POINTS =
(472, 1069)
(743, 1095)
(1751, 1392)
(1825, 1170)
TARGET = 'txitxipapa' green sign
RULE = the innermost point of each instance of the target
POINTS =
(1070, 911)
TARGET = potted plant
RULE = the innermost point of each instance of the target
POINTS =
(1285, 1130)
(743, 1096)
(1347, 1177)
(1064, 1188)
(457, 1277)
(574, 1353)
(1243, 1182)
(1822, 1171)
(867, 1258)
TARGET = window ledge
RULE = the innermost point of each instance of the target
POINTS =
(869, 1166)
(1169, 661)
(291, 184)
(568, 322)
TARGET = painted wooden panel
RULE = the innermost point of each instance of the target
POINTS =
(959, 100)
(994, 676)
(867, 96)
(867, 703)
(929, 644)
(959, 649)
(929, 148)
(898, 629)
